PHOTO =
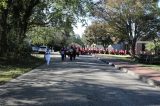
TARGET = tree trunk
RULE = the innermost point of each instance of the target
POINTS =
(104, 46)
(132, 47)
(3, 39)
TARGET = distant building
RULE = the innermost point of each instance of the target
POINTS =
(140, 47)
(119, 46)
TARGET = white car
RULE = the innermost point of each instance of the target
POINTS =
(42, 49)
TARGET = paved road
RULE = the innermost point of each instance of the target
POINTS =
(84, 82)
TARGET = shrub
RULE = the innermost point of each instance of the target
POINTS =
(150, 47)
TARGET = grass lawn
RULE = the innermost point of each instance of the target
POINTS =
(117, 57)
(127, 58)
(10, 69)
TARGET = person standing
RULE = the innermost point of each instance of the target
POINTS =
(47, 57)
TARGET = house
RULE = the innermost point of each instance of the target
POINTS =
(140, 47)
(119, 46)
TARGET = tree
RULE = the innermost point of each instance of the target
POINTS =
(50, 36)
(130, 20)
(14, 18)
(2, 3)
(99, 32)
(18, 16)
(75, 40)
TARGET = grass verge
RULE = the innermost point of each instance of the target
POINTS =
(10, 69)
(128, 58)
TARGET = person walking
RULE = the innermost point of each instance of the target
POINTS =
(77, 51)
(62, 54)
(71, 53)
(47, 57)
(74, 52)
(65, 53)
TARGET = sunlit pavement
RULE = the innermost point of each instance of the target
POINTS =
(85, 81)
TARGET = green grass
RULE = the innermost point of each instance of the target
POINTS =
(128, 58)
(10, 69)
(117, 57)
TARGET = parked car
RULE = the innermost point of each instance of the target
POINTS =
(42, 49)
(35, 48)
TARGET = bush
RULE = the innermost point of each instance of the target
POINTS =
(150, 47)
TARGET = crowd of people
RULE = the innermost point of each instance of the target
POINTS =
(85, 51)
(73, 51)
(65, 52)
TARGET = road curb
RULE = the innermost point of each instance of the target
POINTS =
(140, 77)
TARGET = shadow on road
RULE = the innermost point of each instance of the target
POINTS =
(74, 83)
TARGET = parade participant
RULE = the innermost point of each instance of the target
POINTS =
(74, 52)
(47, 56)
(62, 54)
(71, 52)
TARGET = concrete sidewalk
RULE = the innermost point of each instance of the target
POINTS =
(144, 73)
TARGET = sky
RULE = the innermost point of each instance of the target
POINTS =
(79, 30)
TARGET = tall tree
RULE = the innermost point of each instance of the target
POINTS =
(99, 32)
(131, 20)
(14, 18)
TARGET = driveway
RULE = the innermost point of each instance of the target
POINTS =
(83, 82)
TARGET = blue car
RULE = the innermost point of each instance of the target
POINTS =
(35, 48)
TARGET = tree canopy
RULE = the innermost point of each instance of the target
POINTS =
(99, 33)
(52, 22)
(130, 20)
(17, 17)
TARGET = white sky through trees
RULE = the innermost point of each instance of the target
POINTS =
(79, 30)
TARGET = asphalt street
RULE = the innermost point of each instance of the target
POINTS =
(85, 81)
